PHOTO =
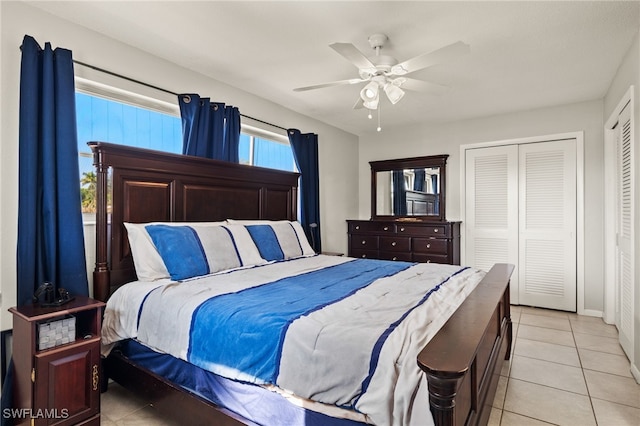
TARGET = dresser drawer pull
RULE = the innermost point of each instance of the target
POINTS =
(364, 242)
(393, 244)
(428, 245)
(357, 227)
(401, 229)
(386, 228)
(435, 229)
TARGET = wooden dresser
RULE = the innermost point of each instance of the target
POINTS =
(437, 242)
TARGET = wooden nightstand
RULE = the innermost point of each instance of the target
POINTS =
(58, 385)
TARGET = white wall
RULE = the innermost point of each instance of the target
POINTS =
(629, 74)
(338, 150)
(430, 139)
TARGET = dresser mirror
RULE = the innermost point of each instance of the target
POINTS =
(410, 189)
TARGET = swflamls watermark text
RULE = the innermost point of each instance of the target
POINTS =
(29, 413)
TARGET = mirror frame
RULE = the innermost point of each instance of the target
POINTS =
(410, 163)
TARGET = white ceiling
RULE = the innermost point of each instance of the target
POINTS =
(524, 55)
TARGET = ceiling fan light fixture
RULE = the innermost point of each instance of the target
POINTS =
(394, 93)
(369, 92)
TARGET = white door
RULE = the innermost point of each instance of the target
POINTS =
(491, 216)
(520, 208)
(547, 225)
(624, 266)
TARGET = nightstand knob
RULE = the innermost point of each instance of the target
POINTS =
(429, 261)
(364, 242)
(364, 256)
(393, 244)
(394, 258)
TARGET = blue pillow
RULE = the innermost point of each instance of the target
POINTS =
(279, 240)
(265, 239)
(191, 251)
(180, 249)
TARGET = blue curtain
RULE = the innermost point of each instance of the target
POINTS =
(209, 129)
(399, 194)
(305, 151)
(419, 180)
(50, 233)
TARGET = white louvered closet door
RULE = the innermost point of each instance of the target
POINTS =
(624, 232)
(491, 212)
(520, 208)
(547, 224)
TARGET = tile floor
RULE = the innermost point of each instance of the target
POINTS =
(565, 370)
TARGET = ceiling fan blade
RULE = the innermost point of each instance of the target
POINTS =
(425, 60)
(353, 55)
(333, 83)
(422, 86)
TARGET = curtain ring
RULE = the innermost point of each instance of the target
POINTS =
(215, 107)
(186, 99)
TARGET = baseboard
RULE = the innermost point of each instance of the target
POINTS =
(592, 313)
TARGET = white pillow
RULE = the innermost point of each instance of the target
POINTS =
(146, 259)
(297, 227)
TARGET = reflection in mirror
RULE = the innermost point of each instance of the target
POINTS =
(409, 188)
(408, 192)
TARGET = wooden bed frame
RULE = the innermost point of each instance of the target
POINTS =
(462, 362)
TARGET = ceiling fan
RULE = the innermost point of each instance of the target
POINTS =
(384, 73)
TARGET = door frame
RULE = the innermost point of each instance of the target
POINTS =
(610, 176)
(579, 137)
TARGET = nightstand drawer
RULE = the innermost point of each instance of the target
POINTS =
(395, 244)
(430, 245)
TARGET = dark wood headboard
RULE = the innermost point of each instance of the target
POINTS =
(140, 185)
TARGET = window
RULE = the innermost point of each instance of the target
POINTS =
(112, 115)
(265, 150)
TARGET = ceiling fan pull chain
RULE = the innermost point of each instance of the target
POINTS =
(379, 108)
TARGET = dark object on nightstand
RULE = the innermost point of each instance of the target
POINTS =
(57, 367)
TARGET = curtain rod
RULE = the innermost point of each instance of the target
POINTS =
(93, 67)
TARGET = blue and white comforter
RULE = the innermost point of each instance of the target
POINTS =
(335, 330)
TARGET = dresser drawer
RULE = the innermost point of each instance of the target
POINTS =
(364, 242)
(395, 244)
(391, 255)
(372, 227)
(436, 230)
(430, 245)
(364, 254)
(430, 258)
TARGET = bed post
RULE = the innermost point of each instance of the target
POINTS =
(101, 275)
(442, 394)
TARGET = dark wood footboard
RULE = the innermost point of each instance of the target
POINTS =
(463, 361)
